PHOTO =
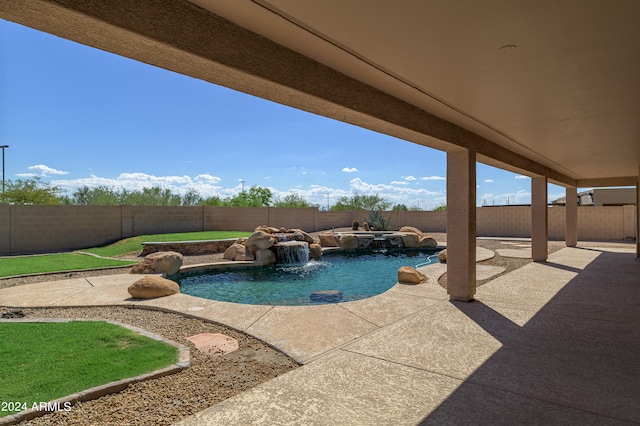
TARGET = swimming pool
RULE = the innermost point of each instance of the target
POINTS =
(353, 276)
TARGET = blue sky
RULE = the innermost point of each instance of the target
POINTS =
(77, 116)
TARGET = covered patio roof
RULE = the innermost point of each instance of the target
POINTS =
(542, 88)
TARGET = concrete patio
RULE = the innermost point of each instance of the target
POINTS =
(549, 343)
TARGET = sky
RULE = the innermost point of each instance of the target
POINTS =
(77, 116)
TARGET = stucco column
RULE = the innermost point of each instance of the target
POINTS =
(571, 216)
(461, 225)
(638, 216)
(539, 219)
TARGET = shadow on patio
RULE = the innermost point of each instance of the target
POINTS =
(572, 356)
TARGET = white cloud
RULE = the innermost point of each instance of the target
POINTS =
(433, 178)
(522, 177)
(555, 195)
(349, 169)
(410, 178)
(208, 185)
(154, 180)
(488, 181)
(395, 193)
(207, 178)
(46, 170)
(509, 198)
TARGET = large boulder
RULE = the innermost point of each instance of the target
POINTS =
(267, 229)
(442, 256)
(329, 239)
(162, 262)
(266, 256)
(238, 252)
(412, 230)
(409, 275)
(260, 240)
(315, 251)
(153, 286)
(300, 235)
(411, 240)
(428, 242)
(349, 241)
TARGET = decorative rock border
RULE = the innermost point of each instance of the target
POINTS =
(184, 361)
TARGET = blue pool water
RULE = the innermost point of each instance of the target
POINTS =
(357, 276)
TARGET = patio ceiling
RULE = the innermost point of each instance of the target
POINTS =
(554, 81)
(539, 87)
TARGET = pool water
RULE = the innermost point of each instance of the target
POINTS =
(357, 276)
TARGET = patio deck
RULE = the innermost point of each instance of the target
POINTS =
(553, 343)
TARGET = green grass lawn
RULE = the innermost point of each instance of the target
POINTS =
(23, 265)
(45, 361)
(135, 243)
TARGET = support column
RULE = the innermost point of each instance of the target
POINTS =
(571, 216)
(461, 225)
(638, 216)
(539, 219)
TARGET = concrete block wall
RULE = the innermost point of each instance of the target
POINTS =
(39, 229)
(557, 219)
(509, 221)
(291, 218)
(235, 218)
(330, 220)
(35, 229)
(600, 223)
(630, 221)
(426, 221)
(5, 228)
(167, 219)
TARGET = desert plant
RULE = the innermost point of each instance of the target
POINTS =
(355, 225)
(377, 222)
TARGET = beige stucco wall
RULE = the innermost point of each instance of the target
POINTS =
(53, 228)
(33, 229)
(511, 221)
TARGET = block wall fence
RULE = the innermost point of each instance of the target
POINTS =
(42, 229)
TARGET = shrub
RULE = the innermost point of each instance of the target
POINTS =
(377, 222)
(355, 225)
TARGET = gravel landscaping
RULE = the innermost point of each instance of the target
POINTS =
(163, 401)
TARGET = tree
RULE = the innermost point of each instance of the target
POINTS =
(192, 198)
(442, 208)
(31, 191)
(398, 207)
(213, 201)
(256, 197)
(154, 196)
(98, 196)
(292, 201)
(361, 202)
